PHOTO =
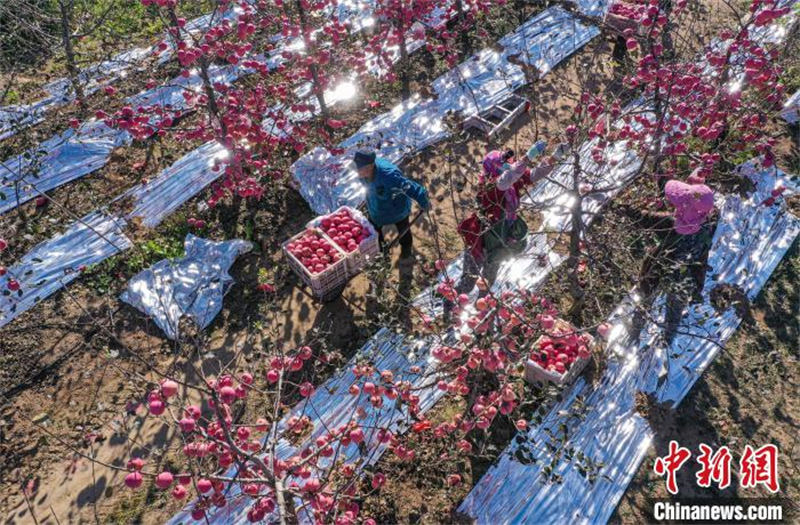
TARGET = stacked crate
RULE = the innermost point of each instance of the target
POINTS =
(367, 248)
(325, 284)
(328, 283)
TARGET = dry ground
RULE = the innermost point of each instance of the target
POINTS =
(68, 366)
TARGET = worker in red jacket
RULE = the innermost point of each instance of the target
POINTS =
(496, 229)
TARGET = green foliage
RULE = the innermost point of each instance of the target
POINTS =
(12, 97)
(107, 276)
(128, 17)
(152, 251)
(101, 276)
(129, 20)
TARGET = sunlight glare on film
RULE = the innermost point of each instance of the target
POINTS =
(222, 155)
(344, 91)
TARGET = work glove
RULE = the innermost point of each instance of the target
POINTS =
(561, 151)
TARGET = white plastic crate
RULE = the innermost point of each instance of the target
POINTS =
(535, 373)
(357, 259)
(328, 283)
(498, 117)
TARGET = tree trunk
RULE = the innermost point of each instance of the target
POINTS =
(461, 19)
(576, 223)
(404, 66)
(319, 91)
(208, 86)
(69, 53)
(666, 33)
(660, 104)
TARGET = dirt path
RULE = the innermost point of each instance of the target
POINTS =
(86, 394)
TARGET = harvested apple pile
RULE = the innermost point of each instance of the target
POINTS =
(314, 252)
(558, 353)
(344, 229)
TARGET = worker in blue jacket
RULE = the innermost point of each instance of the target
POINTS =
(389, 196)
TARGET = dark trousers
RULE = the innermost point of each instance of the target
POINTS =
(403, 229)
(470, 272)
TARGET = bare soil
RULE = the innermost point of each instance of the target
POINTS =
(73, 356)
(70, 366)
(750, 395)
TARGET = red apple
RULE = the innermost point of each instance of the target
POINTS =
(164, 480)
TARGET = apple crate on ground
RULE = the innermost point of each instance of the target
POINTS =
(560, 356)
(352, 232)
(319, 263)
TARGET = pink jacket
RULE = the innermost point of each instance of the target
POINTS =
(504, 177)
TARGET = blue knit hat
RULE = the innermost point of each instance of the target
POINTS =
(364, 157)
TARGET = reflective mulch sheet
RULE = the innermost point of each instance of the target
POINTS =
(76, 153)
(791, 110)
(153, 201)
(193, 285)
(600, 183)
(409, 127)
(748, 244)
(61, 159)
(14, 118)
(327, 181)
(171, 94)
(19, 116)
(54, 263)
(488, 77)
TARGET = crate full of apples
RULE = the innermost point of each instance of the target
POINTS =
(319, 263)
(350, 231)
(560, 356)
